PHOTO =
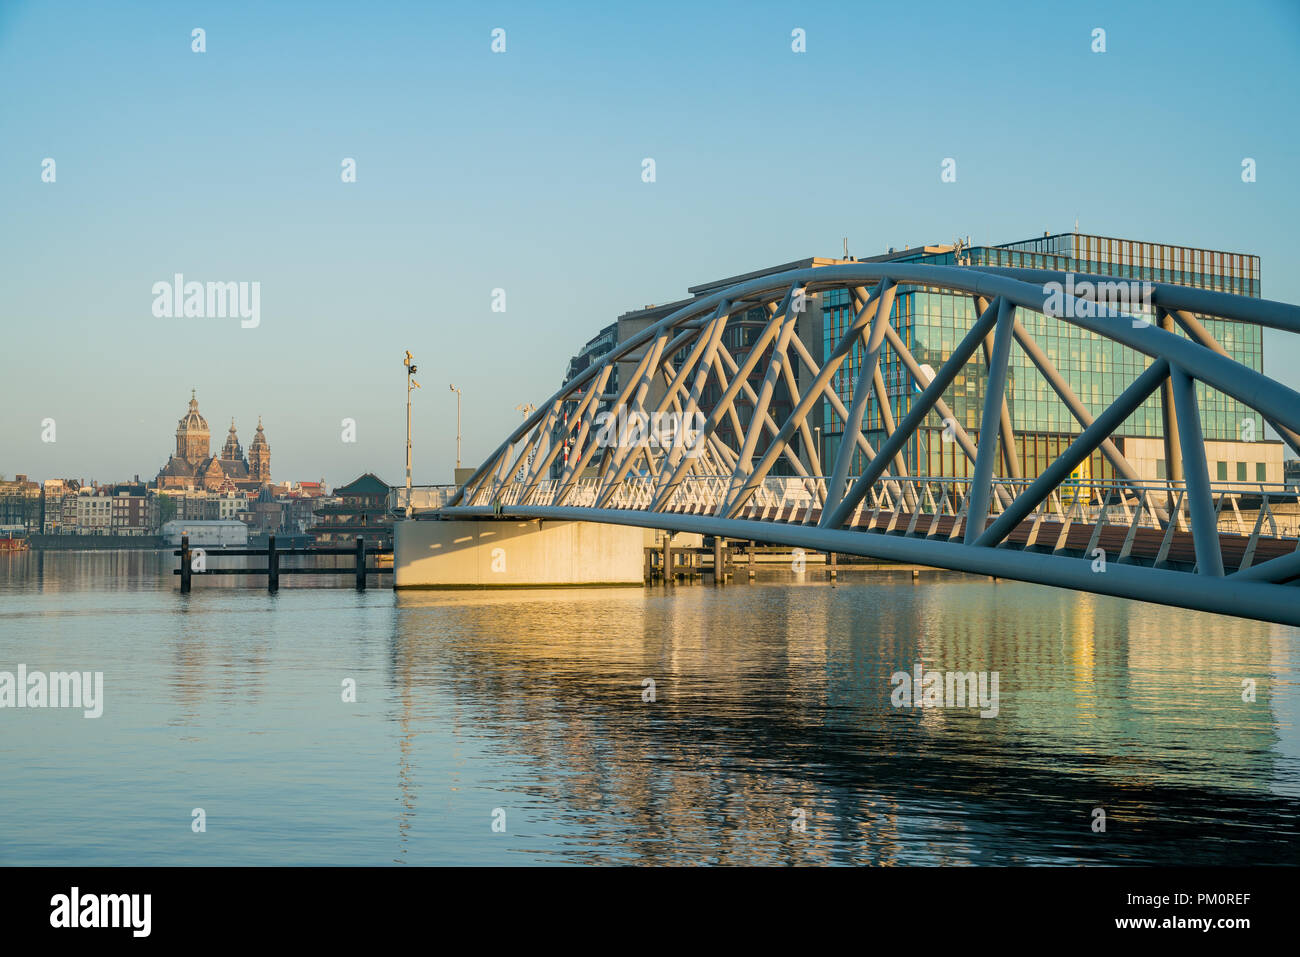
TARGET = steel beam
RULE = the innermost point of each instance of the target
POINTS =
(1205, 525)
(853, 422)
(995, 390)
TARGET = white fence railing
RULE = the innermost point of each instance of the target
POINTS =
(1259, 510)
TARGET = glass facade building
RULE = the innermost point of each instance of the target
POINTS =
(931, 322)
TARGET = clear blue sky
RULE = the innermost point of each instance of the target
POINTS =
(522, 171)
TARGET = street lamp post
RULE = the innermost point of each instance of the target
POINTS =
(410, 384)
(457, 391)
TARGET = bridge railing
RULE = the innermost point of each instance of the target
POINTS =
(1253, 509)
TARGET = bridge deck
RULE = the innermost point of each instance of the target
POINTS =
(1145, 547)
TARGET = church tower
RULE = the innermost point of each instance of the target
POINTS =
(192, 436)
(231, 451)
(259, 457)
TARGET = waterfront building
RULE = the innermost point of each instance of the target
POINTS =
(20, 503)
(263, 514)
(133, 509)
(207, 534)
(931, 322)
(94, 510)
(300, 500)
(192, 467)
(69, 522)
(206, 506)
(358, 508)
(53, 493)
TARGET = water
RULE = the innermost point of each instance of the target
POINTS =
(526, 707)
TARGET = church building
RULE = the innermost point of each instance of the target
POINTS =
(193, 468)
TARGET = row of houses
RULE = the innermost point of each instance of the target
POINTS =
(75, 507)
(71, 507)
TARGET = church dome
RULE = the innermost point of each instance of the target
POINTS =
(192, 421)
(192, 434)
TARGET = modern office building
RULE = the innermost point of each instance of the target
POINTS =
(931, 322)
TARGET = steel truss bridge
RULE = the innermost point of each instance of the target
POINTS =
(1183, 541)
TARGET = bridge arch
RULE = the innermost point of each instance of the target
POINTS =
(1172, 541)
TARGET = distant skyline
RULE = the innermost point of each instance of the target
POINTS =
(522, 171)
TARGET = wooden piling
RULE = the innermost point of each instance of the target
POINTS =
(361, 563)
(272, 566)
(186, 569)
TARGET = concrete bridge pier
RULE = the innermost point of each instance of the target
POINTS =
(515, 553)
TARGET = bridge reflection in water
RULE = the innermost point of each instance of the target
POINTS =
(769, 698)
(776, 698)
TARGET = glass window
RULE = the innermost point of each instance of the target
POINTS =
(1222, 471)
(1241, 471)
(1261, 472)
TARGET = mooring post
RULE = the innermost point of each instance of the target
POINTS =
(272, 566)
(361, 563)
(834, 570)
(185, 565)
(749, 562)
